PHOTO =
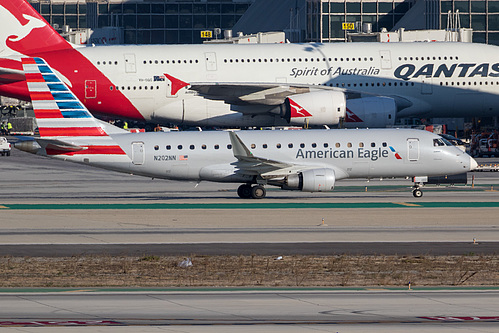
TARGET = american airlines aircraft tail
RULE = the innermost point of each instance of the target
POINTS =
(306, 160)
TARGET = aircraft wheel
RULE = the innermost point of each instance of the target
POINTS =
(417, 193)
(244, 191)
(258, 192)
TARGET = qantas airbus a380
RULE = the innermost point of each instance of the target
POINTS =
(367, 84)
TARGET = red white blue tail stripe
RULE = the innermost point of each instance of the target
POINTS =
(60, 115)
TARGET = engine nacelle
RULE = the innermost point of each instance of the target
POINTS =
(370, 112)
(315, 108)
(313, 180)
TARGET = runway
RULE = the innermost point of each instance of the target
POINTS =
(254, 310)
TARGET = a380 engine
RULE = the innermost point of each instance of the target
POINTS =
(315, 108)
(370, 112)
(313, 180)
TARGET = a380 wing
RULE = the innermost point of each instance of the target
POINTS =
(251, 93)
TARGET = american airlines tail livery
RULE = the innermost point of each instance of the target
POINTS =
(306, 160)
(364, 84)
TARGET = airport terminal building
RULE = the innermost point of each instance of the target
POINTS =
(145, 22)
(325, 17)
(171, 22)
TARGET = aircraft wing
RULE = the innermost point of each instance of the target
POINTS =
(250, 93)
(257, 166)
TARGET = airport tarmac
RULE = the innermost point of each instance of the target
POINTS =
(363, 310)
(48, 207)
(44, 201)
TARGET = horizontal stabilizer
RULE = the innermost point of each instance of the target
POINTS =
(8, 75)
(58, 145)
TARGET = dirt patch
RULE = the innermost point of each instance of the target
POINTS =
(249, 271)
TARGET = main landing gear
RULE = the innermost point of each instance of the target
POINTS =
(247, 191)
(416, 190)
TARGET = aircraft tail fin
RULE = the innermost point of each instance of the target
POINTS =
(25, 31)
(64, 123)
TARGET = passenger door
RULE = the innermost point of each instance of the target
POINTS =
(138, 153)
(130, 63)
(211, 61)
(386, 60)
(413, 150)
(90, 89)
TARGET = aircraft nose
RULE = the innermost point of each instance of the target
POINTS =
(473, 164)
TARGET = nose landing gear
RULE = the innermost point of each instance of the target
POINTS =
(246, 191)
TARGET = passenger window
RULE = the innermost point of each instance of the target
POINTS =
(168, 147)
(229, 146)
(337, 145)
(191, 147)
(264, 146)
(253, 146)
(302, 145)
(384, 144)
(290, 145)
(326, 145)
(314, 145)
(156, 147)
(216, 146)
(203, 147)
(373, 144)
(361, 144)
(349, 145)
(278, 146)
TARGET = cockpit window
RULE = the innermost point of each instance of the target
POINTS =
(440, 142)
(447, 142)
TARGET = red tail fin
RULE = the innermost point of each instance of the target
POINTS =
(23, 30)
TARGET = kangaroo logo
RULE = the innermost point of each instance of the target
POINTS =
(13, 31)
(352, 117)
(297, 110)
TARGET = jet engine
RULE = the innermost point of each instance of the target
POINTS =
(370, 112)
(313, 180)
(323, 107)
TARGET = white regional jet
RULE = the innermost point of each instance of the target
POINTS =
(367, 84)
(306, 160)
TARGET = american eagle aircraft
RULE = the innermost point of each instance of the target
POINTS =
(305, 160)
(364, 84)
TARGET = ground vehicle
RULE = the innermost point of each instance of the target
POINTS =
(485, 144)
(4, 146)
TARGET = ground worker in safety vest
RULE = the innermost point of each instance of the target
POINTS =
(3, 130)
(125, 126)
(9, 127)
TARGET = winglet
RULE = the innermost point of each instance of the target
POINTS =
(239, 149)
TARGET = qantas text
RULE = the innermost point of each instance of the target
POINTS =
(372, 154)
(410, 71)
